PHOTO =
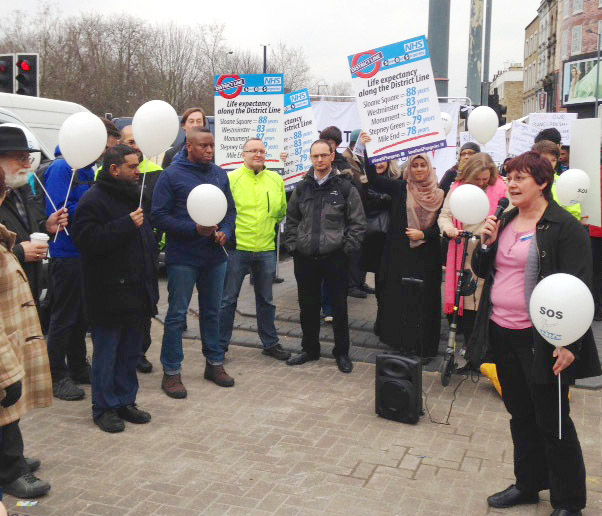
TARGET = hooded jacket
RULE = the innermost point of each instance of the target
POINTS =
(118, 259)
(169, 213)
(325, 218)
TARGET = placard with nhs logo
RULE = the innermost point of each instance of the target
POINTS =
(397, 100)
(248, 106)
(299, 133)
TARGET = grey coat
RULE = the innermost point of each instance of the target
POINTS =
(322, 219)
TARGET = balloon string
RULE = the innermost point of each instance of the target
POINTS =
(47, 196)
(73, 172)
(142, 187)
(559, 408)
(224, 249)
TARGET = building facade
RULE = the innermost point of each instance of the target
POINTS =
(508, 85)
(547, 71)
(531, 57)
(579, 23)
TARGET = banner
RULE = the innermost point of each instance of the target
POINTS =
(521, 138)
(561, 121)
(496, 147)
(299, 133)
(446, 158)
(343, 115)
(397, 100)
(248, 106)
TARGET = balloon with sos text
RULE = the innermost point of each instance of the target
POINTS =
(447, 122)
(572, 186)
(469, 204)
(482, 124)
(561, 308)
(207, 205)
(82, 139)
(155, 126)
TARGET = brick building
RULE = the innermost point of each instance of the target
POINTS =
(530, 84)
(547, 75)
(579, 22)
(508, 85)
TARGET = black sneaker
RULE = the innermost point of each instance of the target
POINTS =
(144, 366)
(66, 390)
(27, 486)
(132, 414)
(356, 292)
(110, 422)
(33, 464)
(83, 375)
(367, 289)
(277, 352)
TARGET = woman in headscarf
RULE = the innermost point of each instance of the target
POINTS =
(410, 321)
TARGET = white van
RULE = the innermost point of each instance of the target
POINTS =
(43, 116)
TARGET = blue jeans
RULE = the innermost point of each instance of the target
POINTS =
(113, 375)
(263, 268)
(181, 280)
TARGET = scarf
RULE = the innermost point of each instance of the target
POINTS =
(424, 198)
(125, 189)
(454, 251)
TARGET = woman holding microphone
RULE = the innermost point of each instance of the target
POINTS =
(535, 239)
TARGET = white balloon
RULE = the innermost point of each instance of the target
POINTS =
(482, 124)
(561, 308)
(572, 186)
(32, 141)
(82, 139)
(206, 205)
(447, 122)
(155, 125)
(469, 204)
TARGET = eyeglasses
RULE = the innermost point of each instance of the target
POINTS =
(261, 152)
(320, 156)
(21, 157)
(518, 178)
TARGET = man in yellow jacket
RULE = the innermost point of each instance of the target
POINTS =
(260, 205)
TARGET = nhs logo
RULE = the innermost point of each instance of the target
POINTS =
(272, 81)
(413, 46)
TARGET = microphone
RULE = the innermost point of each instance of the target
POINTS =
(502, 204)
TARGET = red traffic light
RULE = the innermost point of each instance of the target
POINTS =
(3, 68)
(24, 66)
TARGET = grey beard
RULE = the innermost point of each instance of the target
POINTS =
(17, 180)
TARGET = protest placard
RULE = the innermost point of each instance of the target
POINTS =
(397, 100)
(299, 133)
(561, 121)
(496, 147)
(521, 138)
(248, 106)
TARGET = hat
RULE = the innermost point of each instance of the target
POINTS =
(471, 146)
(14, 138)
(353, 137)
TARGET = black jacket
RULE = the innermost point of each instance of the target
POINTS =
(119, 260)
(563, 246)
(171, 153)
(322, 219)
(36, 222)
(448, 179)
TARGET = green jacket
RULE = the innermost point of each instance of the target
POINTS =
(260, 205)
(574, 210)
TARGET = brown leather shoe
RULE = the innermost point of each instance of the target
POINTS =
(172, 386)
(218, 375)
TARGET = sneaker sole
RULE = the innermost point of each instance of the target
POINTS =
(70, 398)
(25, 496)
(175, 395)
(219, 384)
(283, 357)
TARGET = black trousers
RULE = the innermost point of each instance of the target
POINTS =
(597, 258)
(357, 276)
(12, 462)
(309, 273)
(541, 460)
(68, 325)
(146, 329)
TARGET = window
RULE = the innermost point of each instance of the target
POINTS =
(599, 27)
(577, 6)
(564, 45)
(567, 8)
(576, 40)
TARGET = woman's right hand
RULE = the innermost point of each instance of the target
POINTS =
(490, 230)
(365, 138)
(452, 233)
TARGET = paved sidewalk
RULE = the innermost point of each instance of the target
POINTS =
(290, 442)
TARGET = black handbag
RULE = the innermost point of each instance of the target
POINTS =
(378, 223)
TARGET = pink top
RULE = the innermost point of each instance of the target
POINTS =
(508, 292)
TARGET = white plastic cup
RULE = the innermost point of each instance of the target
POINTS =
(40, 238)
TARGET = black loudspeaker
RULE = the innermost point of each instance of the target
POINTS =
(399, 387)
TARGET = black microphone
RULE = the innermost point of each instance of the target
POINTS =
(502, 204)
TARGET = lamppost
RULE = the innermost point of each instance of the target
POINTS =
(265, 57)
(229, 53)
(322, 85)
(597, 69)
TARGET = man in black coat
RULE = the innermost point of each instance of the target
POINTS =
(119, 260)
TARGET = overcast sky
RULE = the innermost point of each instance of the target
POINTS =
(328, 31)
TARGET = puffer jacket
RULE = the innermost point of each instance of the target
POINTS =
(325, 218)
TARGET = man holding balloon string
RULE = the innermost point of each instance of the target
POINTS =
(535, 240)
(194, 254)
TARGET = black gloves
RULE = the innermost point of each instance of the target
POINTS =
(13, 393)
